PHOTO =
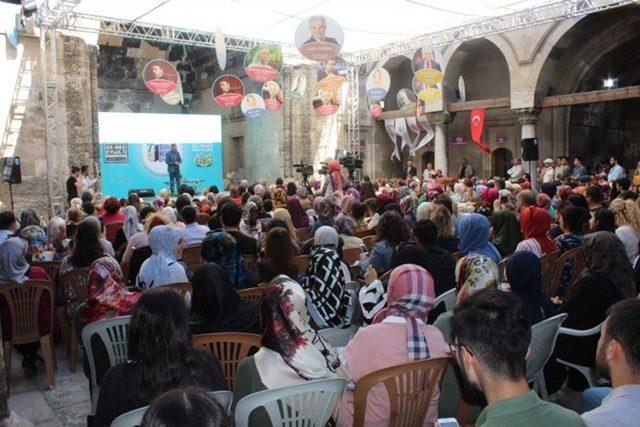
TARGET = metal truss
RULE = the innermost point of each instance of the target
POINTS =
(353, 113)
(514, 21)
(56, 164)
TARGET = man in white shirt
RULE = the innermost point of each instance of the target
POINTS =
(516, 171)
(428, 172)
(616, 172)
(8, 225)
(86, 182)
(549, 173)
(618, 359)
(193, 233)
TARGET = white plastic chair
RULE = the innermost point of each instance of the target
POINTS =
(134, 418)
(588, 372)
(309, 404)
(543, 341)
(114, 333)
(338, 337)
(448, 298)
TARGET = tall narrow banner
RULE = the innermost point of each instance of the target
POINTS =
(403, 133)
(390, 127)
(477, 126)
(424, 124)
(221, 49)
(412, 124)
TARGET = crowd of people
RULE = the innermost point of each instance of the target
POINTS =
(432, 234)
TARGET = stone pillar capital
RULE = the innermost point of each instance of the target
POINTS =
(527, 116)
(442, 118)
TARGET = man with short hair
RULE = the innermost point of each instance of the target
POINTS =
(466, 170)
(411, 170)
(318, 30)
(8, 225)
(86, 183)
(563, 170)
(491, 337)
(526, 199)
(173, 160)
(193, 233)
(516, 171)
(578, 168)
(428, 172)
(230, 218)
(437, 261)
(73, 183)
(618, 360)
(616, 172)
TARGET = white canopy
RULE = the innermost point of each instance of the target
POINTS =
(366, 23)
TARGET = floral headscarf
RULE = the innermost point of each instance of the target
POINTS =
(475, 272)
(354, 193)
(107, 296)
(36, 241)
(410, 295)
(250, 225)
(221, 247)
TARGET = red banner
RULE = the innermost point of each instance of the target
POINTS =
(477, 125)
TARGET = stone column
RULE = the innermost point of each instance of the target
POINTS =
(440, 160)
(528, 117)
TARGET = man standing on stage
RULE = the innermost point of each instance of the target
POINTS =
(173, 160)
(466, 171)
(411, 171)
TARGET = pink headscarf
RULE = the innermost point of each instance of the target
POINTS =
(411, 295)
(490, 195)
(336, 177)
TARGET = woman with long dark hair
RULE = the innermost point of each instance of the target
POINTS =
(279, 253)
(392, 230)
(161, 358)
(86, 249)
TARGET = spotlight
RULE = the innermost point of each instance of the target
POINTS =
(609, 83)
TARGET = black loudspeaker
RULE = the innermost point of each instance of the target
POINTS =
(143, 192)
(11, 173)
(529, 149)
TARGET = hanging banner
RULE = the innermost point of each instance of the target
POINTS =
(221, 49)
(412, 125)
(272, 94)
(332, 73)
(252, 105)
(462, 91)
(299, 85)
(160, 76)
(426, 64)
(263, 63)
(406, 100)
(403, 133)
(390, 127)
(378, 83)
(227, 91)
(477, 126)
(176, 95)
(424, 124)
(326, 102)
(319, 38)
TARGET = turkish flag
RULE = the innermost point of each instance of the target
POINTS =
(477, 125)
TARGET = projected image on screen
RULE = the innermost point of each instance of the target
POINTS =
(134, 150)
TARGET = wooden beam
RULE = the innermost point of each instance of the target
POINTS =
(454, 107)
(591, 97)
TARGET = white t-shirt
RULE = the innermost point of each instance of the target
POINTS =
(194, 233)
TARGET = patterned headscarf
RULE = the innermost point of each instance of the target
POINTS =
(326, 210)
(13, 262)
(250, 225)
(475, 272)
(107, 296)
(279, 198)
(606, 255)
(131, 223)
(36, 240)
(345, 225)
(410, 295)
(354, 193)
(301, 192)
(221, 247)
(325, 284)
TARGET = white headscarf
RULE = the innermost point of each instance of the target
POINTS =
(170, 213)
(162, 268)
(13, 262)
(131, 223)
(326, 235)
(629, 239)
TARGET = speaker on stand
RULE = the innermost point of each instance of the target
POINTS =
(529, 152)
(11, 174)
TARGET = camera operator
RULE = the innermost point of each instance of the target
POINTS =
(334, 180)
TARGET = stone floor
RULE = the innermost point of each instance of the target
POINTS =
(68, 404)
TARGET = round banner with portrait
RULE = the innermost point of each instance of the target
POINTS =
(272, 94)
(319, 38)
(227, 90)
(252, 105)
(427, 65)
(160, 76)
(326, 102)
(375, 107)
(378, 83)
(425, 92)
(263, 63)
(406, 99)
(332, 73)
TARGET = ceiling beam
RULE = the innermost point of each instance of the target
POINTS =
(604, 95)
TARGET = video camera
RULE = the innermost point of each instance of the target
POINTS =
(304, 169)
(324, 169)
(351, 162)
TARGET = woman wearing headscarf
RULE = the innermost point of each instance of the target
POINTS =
(170, 213)
(327, 212)
(355, 194)
(107, 296)
(346, 228)
(162, 268)
(334, 180)
(15, 268)
(216, 307)
(347, 204)
(506, 231)
(221, 248)
(299, 217)
(291, 352)
(474, 237)
(473, 273)
(325, 280)
(57, 237)
(607, 279)
(130, 227)
(284, 216)
(629, 239)
(400, 326)
(535, 224)
(250, 224)
(524, 274)
(490, 195)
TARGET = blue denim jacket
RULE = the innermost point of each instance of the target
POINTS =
(380, 258)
